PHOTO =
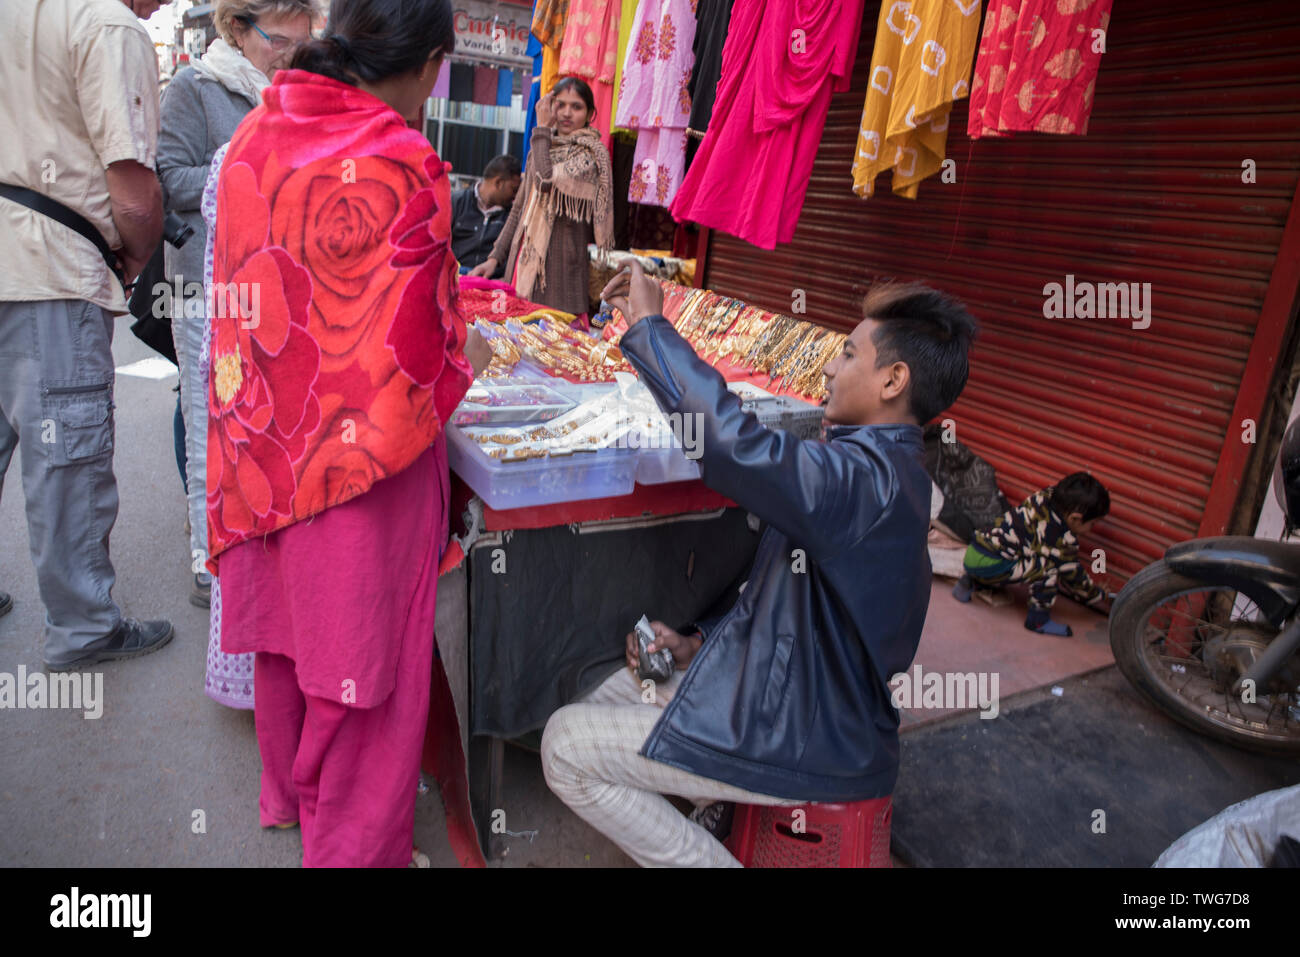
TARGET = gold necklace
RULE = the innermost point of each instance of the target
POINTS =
(789, 357)
(805, 380)
(693, 312)
(758, 349)
(747, 330)
(722, 321)
(781, 347)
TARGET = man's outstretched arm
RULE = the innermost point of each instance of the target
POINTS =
(815, 494)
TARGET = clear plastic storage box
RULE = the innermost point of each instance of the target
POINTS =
(661, 466)
(544, 481)
(509, 405)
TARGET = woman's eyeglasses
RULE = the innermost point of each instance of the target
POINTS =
(277, 43)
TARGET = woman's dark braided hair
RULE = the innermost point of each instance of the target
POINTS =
(373, 40)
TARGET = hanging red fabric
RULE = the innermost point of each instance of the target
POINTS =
(1037, 66)
(780, 65)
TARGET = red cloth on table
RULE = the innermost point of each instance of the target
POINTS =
(780, 64)
(674, 498)
(494, 305)
(478, 282)
(1037, 67)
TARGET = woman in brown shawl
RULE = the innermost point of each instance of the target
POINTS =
(565, 202)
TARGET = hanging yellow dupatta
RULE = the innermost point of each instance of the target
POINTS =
(920, 65)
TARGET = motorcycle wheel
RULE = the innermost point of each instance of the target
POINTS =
(1183, 643)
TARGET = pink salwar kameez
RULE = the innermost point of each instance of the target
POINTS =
(340, 612)
(780, 64)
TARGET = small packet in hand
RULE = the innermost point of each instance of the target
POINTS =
(602, 316)
(657, 666)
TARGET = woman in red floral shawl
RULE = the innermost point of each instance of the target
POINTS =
(338, 353)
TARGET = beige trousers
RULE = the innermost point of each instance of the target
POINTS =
(589, 755)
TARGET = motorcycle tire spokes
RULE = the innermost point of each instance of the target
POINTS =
(1196, 644)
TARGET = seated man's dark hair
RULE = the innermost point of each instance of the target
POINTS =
(503, 165)
(928, 330)
(1080, 492)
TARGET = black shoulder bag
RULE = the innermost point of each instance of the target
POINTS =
(153, 331)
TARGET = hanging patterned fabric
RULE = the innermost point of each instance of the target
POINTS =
(655, 99)
(711, 20)
(919, 68)
(550, 67)
(1037, 66)
(548, 26)
(589, 50)
(548, 21)
(780, 64)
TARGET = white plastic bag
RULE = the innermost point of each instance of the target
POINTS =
(1244, 835)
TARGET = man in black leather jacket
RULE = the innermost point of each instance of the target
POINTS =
(785, 698)
(479, 212)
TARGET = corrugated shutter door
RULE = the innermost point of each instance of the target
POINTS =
(1153, 193)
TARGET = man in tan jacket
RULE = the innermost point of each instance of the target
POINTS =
(79, 102)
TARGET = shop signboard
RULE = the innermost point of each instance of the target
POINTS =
(495, 32)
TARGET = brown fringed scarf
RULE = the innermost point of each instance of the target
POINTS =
(581, 189)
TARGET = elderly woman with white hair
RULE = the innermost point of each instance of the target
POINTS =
(201, 108)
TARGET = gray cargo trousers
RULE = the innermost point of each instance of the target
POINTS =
(56, 401)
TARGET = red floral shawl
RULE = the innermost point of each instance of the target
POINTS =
(337, 339)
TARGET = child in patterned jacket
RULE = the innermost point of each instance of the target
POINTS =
(1038, 543)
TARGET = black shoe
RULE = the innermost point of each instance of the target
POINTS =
(715, 818)
(201, 590)
(6, 604)
(131, 639)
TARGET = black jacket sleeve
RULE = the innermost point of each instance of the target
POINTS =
(462, 228)
(823, 498)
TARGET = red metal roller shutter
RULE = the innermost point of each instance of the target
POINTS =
(1153, 193)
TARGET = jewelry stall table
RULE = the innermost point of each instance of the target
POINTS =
(534, 603)
(535, 615)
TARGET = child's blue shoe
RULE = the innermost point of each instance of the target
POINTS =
(1041, 621)
(962, 590)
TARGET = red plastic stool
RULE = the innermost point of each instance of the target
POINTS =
(824, 835)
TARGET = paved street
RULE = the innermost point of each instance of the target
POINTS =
(124, 789)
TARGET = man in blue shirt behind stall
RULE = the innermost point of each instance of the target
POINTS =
(784, 699)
